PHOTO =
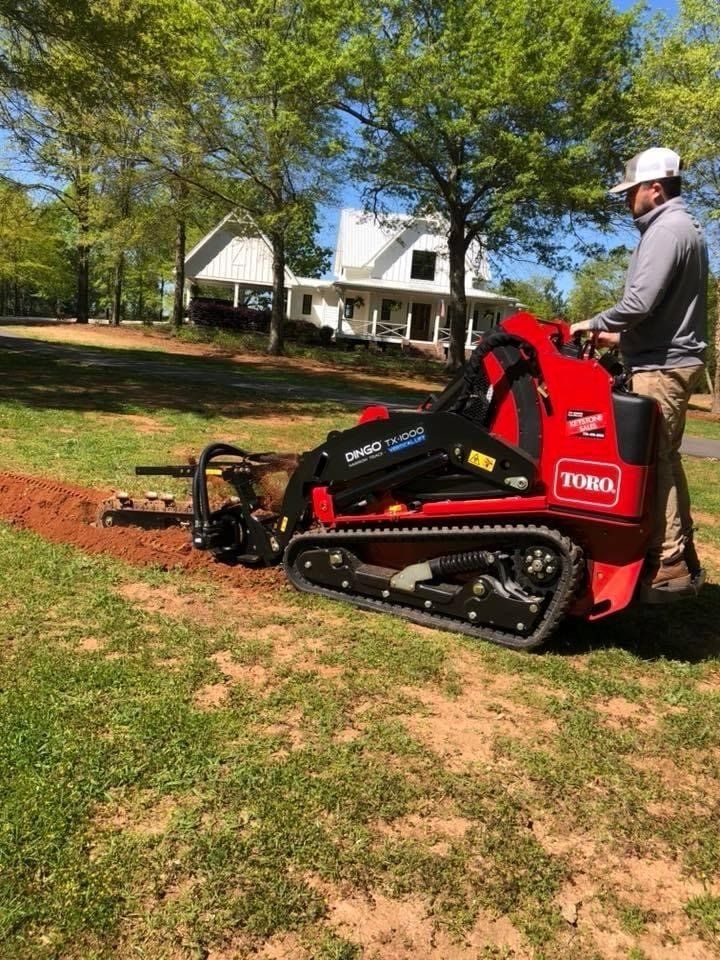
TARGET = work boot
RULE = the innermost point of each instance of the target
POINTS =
(668, 576)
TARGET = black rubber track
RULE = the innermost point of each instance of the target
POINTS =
(482, 538)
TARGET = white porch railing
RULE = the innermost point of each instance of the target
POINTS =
(364, 328)
(471, 340)
(389, 329)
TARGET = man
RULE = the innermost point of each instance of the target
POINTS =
(661, 321)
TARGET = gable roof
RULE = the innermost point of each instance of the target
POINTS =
(363, 238)
(235, 224)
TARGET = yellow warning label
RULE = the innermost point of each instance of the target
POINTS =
(283, 525)
(213, 472)
(481, 460)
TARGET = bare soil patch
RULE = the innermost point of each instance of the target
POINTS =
(281, 946)
(254, 675)
(462, 730)
(624, 714)
(700, 403)
(704, 790)
(140, 424)
(709, 555)
(439, 830)
(285, 946)
(214, 695)
(91, 645)
(390, 929)
(290, 728)
(601, 883)
(211, 696)
(169, 602)
(147, 817)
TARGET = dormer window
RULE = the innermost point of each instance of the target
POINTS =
(423, 265)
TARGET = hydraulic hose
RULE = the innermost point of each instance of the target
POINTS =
(201, 502)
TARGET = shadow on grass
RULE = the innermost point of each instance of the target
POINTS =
(40, 382)
(196, 375)
(687, 630)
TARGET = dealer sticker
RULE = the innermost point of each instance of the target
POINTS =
(586, 423)
(482, 460)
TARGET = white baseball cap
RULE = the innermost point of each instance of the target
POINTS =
(657, 163)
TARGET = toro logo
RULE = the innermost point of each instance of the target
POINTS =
(587, 482)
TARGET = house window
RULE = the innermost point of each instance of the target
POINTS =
(485, 320)
(307, 304)
(386, 309)
(423, 265)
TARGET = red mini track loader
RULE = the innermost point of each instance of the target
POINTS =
(521, 494)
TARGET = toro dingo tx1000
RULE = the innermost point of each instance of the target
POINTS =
(521, 494)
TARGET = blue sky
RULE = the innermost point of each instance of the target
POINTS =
(351, 197)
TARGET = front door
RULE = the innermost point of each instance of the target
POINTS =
(420, 321)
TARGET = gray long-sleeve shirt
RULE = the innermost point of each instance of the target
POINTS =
(662, 315)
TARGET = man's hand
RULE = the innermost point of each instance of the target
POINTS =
(600, 338)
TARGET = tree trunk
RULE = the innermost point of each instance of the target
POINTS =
(83, 250)
(116, 315)
(83, 283)
(457, 306)
(277, 317)
(716, 383)
(179, 300)
(139, 305)
(162, 297)
(3, 298)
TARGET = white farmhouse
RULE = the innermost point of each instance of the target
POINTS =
(391, 280)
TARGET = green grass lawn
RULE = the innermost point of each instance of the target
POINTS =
(196, 770)
(93, 426)
(703, 428)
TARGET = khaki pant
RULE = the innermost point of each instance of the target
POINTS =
(674, 526)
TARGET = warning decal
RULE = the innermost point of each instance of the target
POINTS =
(585, 423)
(481, 460)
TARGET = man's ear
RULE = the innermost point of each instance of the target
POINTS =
(659, 195)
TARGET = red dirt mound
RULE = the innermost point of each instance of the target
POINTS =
(65, 514)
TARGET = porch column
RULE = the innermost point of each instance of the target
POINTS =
(288, 306)
(408, 325)
(468, 338)
(373, 328)
(236, 294)
(436, 329)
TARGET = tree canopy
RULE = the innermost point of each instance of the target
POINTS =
(502, 117)
(148, 120)
(599, 283)
(538, 293)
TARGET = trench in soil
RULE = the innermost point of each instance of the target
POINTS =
(62, 513)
